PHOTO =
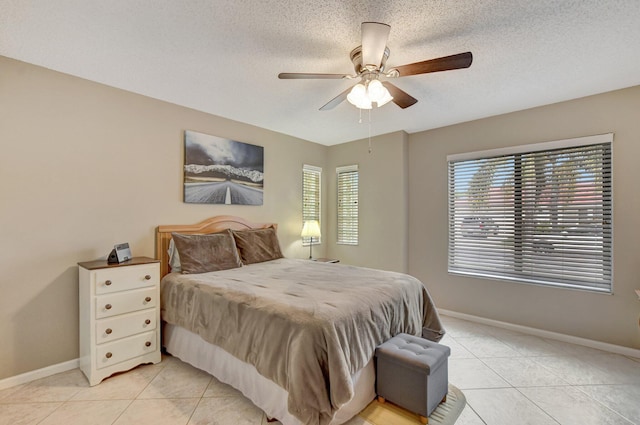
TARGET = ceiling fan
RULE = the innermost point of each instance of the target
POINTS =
(369, 60)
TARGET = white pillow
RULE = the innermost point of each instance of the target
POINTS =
(174, 258)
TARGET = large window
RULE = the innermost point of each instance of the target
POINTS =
(538, 213)
(311, 178)
(348, 205)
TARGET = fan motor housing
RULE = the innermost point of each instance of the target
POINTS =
(356, 58)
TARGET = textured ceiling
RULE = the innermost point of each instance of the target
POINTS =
(223, 56)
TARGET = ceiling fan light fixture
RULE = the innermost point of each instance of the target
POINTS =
(358, 97)
(358, 92)
(363, 95)
(370, 63)
(364, 103)
(375, 90)
(386, 98)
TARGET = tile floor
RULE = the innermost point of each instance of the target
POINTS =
(507, 377)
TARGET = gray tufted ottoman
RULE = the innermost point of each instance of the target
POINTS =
(412, 373)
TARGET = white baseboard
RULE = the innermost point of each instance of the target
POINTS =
(618, 349)
(26, 377)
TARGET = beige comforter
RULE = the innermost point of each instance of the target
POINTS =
(307, 326)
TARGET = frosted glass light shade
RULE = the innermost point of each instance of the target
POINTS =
(376, 90)
(365, 103)
(358, 97)
(362, 96)
(386, 98)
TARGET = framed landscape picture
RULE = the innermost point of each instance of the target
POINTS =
(222, 171)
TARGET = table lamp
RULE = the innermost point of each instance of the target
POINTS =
(311, 229)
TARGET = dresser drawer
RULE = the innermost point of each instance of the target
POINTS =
(126, 302)
(125, 349)
(125, 278)
(125, 325)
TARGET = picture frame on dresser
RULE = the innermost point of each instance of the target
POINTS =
(119, 308)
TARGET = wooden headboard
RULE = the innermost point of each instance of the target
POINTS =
(210, 225)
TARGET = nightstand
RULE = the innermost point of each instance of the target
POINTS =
(119, 316)
(325, 260)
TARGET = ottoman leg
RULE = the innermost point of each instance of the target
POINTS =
(381, 399)
(444, 399)
(424, 420)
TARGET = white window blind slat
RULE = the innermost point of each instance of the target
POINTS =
(543, 216)
(347, 182)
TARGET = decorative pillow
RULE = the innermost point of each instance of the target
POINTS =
(206, 253)
(257, 245)
(174, 258)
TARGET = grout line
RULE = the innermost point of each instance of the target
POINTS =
(534, 358)
(195, 408)
(538, 406)
(123, 410)
(52, 412)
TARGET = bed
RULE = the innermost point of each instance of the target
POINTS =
(296, 337)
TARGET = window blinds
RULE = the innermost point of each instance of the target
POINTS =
(538, 216)
(347, 205)
(311, 178)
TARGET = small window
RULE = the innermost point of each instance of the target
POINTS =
(348, 205)
(311, 179)
(538, 214)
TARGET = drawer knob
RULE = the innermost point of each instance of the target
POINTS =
(147, 322)
(147, 299)
(108, 355)
(147, 344)
(108, 306)
(148, 277)
(108, 283)
(108, 331)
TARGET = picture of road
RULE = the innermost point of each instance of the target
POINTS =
(222, 171)
(226, 192)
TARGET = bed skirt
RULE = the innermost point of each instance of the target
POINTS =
(264, 393)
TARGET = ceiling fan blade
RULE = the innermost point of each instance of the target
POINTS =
(303, 76)
(400, 97)
(374, 41)
(446, 63)
(336, 100)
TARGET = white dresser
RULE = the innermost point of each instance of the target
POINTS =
(119, 316)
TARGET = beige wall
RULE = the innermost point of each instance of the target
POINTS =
(83, 167)
(383, 202)
(608, 318)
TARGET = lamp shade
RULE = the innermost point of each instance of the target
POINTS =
(311, 229)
